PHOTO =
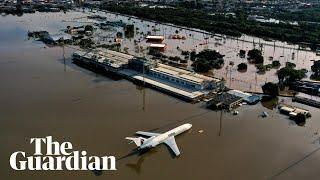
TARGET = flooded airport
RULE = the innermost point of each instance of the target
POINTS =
(43, 93)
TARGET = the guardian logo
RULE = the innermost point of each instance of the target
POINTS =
(59, 157)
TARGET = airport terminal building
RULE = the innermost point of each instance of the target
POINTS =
(184, 78)
(179, 82)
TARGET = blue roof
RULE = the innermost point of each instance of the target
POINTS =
(253, 98)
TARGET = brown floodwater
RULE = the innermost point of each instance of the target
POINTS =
(196, 41)
(42, 94)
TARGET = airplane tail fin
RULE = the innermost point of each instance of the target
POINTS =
(137, 140)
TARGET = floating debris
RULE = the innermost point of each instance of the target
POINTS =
(235, 113)
(264, 114)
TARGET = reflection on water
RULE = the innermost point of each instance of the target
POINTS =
(269, 102)
(141, 158)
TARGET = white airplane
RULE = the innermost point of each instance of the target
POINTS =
(156, 138)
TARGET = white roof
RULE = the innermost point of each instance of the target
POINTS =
(298, 110)
(183, 74)
(155, 37)
(158, 45)
(287, 109)
(239, 93)
(61, 36)
(293, 114)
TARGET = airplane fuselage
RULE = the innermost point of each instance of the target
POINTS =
(156, 140)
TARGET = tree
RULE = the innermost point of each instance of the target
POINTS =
(209, 54)
(119, 34)
(201, 67)
(261, 68)
(88, 28)
(255, 56)
(271, 89)
(276, 64)
(315, 68)
(193, 55)
(129, 31)
(206, 60)
(156, 53)
(288, 74)
(242, 67)
(86, 43)
(259, 60)
(300, 119)
(175, 58)
(242, 53)
(290, 65)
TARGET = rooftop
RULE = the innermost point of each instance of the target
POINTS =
(172, 89)
(158, 45)
(224, 99)
(155, 37)
(58, 37)
(250, 98)
(108, 57)
(184, 74)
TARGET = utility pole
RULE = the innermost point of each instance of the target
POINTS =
(230, 69)
(220, 127)
(144, 83)
(256, 78)
(64, 58)
(143, 91)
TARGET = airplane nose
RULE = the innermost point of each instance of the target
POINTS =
(189, 125)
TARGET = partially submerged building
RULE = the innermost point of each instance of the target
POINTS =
(76, 30)
(224, 101)
(48, 38)
(157, 39)
(231, 99)
(308, 87)
(141, 65)
(159, 47)
(175, 76)
(247, 97)
(55, 39)
(106, 59)
(307, 99)
(184, 78)
(185, 84)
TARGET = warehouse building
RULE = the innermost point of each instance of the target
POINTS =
(247, 97)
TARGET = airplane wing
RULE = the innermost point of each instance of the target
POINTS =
(171, 142)
(149, 134)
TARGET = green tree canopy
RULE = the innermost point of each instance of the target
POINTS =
(315, 68)
(271, 89)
